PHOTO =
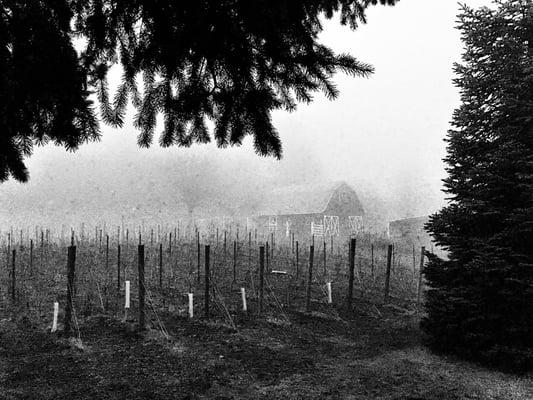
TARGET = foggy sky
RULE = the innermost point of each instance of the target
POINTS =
(383, 135)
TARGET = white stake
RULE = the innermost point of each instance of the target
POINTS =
(243, 294)
(330, 299)
(127, 304)
(191, 305)
(56, 312)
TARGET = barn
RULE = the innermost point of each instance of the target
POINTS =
(331, 210)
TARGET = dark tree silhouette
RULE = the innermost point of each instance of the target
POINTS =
(480, 300)
(230, 61)
(43, 93)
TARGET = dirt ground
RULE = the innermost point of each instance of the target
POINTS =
(374, 355)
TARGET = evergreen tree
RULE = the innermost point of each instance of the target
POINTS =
(480, 299)
(230, 61)
(43, 96)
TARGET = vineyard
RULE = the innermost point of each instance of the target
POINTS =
(217, 276)
(166, 315)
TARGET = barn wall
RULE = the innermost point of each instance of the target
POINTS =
(300, 225)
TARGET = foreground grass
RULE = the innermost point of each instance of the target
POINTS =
(316, 356)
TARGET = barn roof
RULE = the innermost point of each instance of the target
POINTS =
(300, 199)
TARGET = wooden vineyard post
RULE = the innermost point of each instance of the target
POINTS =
(170, 263)
(249, 250)
(207, 281)
(108, 272)
(271, 248)
(8, 254)
(297, 260)
(142, 288)
(41, 249)
(118, 268)
(198, 254)
(372, 259)
(387, 276)
(13, 276)
(267, 255)
(31, 256)
(393, 252)
(324, 258)
(261, 276)
(71, 264)
(310, 279)
(234, 261)
(225, 241)
(414, 259)
(351, 260)
(420, 274)
(160, 265)
(107, 252)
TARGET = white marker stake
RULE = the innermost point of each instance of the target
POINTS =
(127, 304)
(56, 312)
(243, 294)
(330, 300)
(191, 305)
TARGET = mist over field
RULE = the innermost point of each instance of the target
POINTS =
(157, 186)
(368, 138)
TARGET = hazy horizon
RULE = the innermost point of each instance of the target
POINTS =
(383, 135)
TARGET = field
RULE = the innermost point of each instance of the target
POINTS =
(311, 356)
(290, 347)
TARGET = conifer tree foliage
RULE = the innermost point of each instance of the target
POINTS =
(480, 300)
(230, 61)
(43, 96)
